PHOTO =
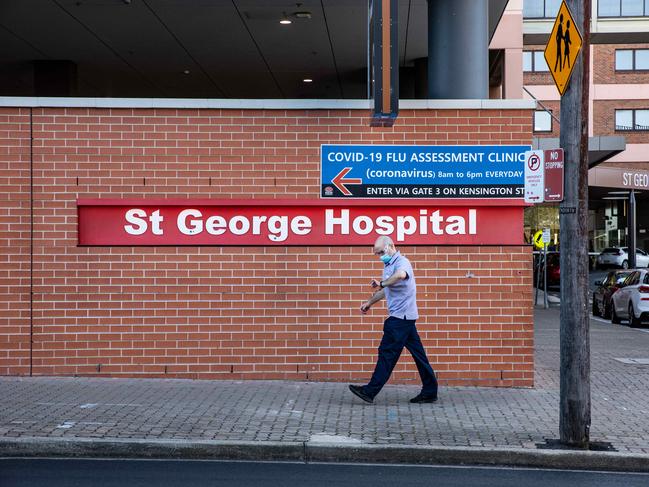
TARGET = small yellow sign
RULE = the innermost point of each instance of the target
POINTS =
(538, 239)
(563, 48)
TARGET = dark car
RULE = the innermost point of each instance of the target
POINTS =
(553, 269)
(604, 292)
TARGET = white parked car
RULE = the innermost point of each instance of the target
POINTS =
(619, 257)
(631, 301)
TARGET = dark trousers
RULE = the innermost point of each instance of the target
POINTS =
(399, 333)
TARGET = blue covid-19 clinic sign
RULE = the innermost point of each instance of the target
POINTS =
(416, 171)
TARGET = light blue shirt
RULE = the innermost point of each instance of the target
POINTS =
(401, 296)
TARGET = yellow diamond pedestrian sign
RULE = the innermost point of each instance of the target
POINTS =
(563, 48)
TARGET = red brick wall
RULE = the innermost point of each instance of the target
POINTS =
(239, 313)
(604, 63)
(603, 67)
(537, 77)
(604, 119)
(14, 241)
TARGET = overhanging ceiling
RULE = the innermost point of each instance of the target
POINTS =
(203, 48)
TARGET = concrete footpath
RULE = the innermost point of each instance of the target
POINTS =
(299, 421)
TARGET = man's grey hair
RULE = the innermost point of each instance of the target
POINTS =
(384, 240)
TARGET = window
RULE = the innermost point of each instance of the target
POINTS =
(533, 9)
(533, 61)
(631, 59)
(641, 58)
(623, 8)
(540, 9)
(527, 61)
(641, 121)
(636, 119)
(633, 279)
(632, 8)
(539, 62)
(609, 8)
(542, 121)
(623, 59)
(623, 119)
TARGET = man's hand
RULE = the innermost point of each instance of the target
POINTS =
(375, 283)
(365, 307)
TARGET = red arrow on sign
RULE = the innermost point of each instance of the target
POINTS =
(339, 182)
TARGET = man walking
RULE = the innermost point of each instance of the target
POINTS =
(398, 286)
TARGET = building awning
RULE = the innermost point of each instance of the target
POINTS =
(600, 148)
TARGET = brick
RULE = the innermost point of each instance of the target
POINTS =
(234, 312)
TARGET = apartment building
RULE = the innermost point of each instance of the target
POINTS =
(619, 106)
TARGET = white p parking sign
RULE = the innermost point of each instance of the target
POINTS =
(534, 176)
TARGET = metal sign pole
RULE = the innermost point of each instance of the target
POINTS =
(538, 279)
(631, 232)
(545, 275)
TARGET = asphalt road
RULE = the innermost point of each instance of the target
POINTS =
(593, 276)
(165, 473)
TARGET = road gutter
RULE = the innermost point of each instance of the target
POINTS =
(310, 451)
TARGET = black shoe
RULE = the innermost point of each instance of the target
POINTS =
(358, 390)
(420, 399)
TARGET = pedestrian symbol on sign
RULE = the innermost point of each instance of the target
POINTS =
(559, 39)
(562, 48)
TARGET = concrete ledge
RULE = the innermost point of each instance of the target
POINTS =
(257, 104)
(314, 451)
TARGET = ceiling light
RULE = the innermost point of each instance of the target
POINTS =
(614, 198)
(618, 192)
(307, 80)
(186, 71)
(302, 15)
(285, 21)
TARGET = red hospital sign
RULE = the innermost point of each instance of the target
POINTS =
(298, 222)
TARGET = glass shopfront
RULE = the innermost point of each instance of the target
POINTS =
(540, 217)
(608, 226)
(607, 220)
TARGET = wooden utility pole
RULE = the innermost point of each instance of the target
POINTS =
(574, 408)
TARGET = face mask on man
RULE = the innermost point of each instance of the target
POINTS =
(385, 258)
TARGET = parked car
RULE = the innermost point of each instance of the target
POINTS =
(605, 289)
(553, 260)
(631, 301)
(619, 257)
(554, 269)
